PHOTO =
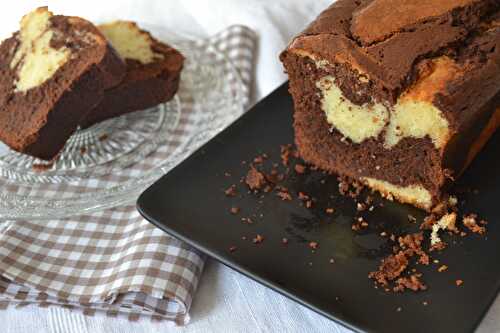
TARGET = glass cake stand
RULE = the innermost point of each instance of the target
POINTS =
(112, 162)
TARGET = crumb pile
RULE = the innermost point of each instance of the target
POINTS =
(398, 271)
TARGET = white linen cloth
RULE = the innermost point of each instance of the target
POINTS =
(226, 301)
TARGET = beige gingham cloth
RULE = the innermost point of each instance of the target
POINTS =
(111, 262)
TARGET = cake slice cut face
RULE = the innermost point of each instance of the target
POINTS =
(153, 72)
(403, 103)
(53, 71)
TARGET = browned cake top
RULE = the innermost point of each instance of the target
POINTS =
(380, 19)
(388, 41)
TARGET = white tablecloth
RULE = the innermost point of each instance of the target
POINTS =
(226, 301)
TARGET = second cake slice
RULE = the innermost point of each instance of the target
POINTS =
(153, 72)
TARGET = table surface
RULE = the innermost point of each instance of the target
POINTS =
(226, 301)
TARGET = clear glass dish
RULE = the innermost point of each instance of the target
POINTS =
(112, 162)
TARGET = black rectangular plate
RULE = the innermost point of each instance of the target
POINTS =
(190, 204)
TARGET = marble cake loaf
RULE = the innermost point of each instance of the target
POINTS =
(153, 72)
(53, 71)
(399, 95)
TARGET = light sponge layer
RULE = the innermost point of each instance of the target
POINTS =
(413, 116)
(130, 41)
(35, 59)
(414, 194)
(355, 122)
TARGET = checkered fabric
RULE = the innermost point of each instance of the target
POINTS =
(111, 262)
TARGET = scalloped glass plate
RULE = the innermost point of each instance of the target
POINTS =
(112, 162)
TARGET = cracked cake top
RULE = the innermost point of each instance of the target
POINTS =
(389, 42)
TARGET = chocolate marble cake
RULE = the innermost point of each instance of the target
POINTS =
(153, 72)
(53, 71)
(399, 95)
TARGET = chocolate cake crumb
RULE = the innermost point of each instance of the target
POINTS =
(284, 195)
(255, 179)
(359, 224)
(286, 152)
(412, 282)
(428, 222)
(360, 207)
(390, 269)
(83, 150)
(438, 246)
(424, 259)
(302, 196)
(349, 187)
(258, 239)
(258, 160)
(470, 221)
(234, 210)
(273, 177)
(412, 244)
(313, 245)
(442, 268)
(300, 169)
(103, 137)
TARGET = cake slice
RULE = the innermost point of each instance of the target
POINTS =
(399, 95)
(153, 72)
(53, 71)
